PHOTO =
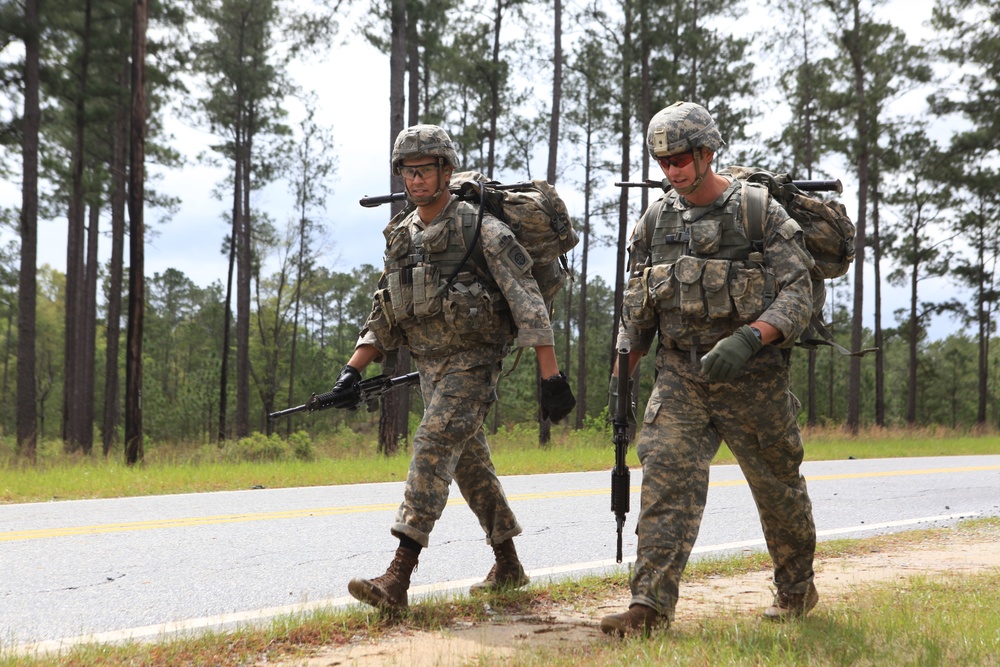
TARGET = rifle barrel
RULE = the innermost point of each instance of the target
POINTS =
(372, 202)
(286, 412)
(833, 185)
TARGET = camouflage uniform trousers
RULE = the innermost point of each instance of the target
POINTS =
(450, 443)
(686, 419)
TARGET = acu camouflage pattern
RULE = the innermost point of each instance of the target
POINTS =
(687, 418)
(784, 259)
(450, 443)
(458, 376)
(682, 127)
(423, 140)
(433, 332)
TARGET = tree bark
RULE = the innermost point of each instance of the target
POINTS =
(557, 64)
(244, 276)
(136, 297)
(879, 342)
(27, 407)
(625, 120)
(88, 320)
(73, 359)
(581, 318)
(857, 320)
(109, 431)
(395, 404)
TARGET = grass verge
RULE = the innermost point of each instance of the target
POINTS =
(349, 459)
(947, 620)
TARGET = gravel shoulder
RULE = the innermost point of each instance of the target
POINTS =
(561, 625)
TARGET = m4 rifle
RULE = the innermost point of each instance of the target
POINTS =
(368, 392)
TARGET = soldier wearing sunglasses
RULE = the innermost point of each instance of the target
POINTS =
(725, 313)
(458, 331)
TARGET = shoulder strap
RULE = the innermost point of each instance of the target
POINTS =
(754, 205)
(652, 214)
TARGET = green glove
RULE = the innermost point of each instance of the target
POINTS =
(725, 360)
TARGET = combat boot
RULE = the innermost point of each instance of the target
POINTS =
(506, 573)
(638, 620)
(388, 591)
(788, 606)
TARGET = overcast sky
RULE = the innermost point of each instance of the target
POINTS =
(351, 84)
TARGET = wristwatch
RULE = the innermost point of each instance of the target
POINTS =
(756, 332)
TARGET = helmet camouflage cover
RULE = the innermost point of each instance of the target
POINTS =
(682, 127)
(423, 141)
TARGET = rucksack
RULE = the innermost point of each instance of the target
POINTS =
(535, 213)
(828, 233)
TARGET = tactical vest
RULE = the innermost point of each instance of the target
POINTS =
(704, 278)
(432, 314)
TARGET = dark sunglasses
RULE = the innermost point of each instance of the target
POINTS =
(679, 161)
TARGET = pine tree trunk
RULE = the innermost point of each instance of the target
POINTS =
(88, 321)
(393, 413)
(27, 408)
(112, 390)
(75, 287)
(136, 297)
(863, 170)
(557, 63)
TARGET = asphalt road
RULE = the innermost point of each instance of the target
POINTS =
(105, 570)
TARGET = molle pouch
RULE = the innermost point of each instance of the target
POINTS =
(381, 320)
(434, 238)
(715, 281)
(636, 301)
(401, 295)
(662, 286)
(398, 243)
(383, 300)
(747, 291)
(706, 236)
(468, 308)
(426, 302)
(688, 271)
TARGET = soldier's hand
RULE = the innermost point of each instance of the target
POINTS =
(557, 398)
(613, 400)
(725, 360)
(347, 390)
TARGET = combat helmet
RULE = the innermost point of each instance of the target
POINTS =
(682, 127)
(421, 141)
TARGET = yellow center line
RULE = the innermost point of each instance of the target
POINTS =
(185, 522)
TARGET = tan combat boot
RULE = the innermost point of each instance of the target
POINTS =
(506, 574)
(788, 606)
(388, 591)
(638, 620)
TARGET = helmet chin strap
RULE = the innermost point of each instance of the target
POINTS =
(700, 175)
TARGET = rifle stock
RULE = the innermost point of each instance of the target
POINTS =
(620, 474)
(368, 393)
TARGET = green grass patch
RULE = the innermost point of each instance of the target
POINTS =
(351, 458)
(948, 620)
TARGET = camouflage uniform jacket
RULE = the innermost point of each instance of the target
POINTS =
(695, 277)
(481, 308)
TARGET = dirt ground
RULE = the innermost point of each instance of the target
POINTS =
(563, 626)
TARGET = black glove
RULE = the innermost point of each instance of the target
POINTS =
(347, 392)
(725, 360)
(613, 400)
(557, 398)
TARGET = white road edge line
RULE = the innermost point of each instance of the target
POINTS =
(163, 629)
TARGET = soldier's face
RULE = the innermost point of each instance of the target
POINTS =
(423, 179)
(682, 169)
